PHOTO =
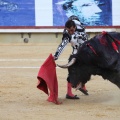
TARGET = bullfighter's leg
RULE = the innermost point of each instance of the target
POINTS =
(69, 94)
(84, 90)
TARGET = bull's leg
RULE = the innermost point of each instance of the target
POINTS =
(113, 77)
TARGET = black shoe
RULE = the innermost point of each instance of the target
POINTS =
(84, 91)
(74, 97)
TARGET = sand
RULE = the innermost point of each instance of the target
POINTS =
(21, 100)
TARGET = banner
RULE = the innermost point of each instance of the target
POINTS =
(17, 13)
(56, 12)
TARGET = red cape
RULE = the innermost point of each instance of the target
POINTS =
(47, 79)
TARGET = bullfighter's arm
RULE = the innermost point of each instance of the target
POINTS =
(60, 48)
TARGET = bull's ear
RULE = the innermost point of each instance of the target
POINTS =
(63, 66)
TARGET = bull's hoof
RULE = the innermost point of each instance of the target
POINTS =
(74, 97)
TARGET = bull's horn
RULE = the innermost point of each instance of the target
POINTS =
(78, 86)
(69, 64)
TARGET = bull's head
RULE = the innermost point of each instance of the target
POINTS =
(69, 64)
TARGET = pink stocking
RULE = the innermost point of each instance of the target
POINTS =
(84, 87)
(69, 90)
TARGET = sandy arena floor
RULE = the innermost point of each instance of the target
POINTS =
(21, 100)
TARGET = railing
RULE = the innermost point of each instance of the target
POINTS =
(51, 29)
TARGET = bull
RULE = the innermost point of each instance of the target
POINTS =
(97, 56)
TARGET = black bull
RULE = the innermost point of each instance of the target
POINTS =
(98, 56)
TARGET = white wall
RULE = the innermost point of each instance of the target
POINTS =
(116, 12)
(43, 18)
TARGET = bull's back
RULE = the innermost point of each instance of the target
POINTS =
(100, 51)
